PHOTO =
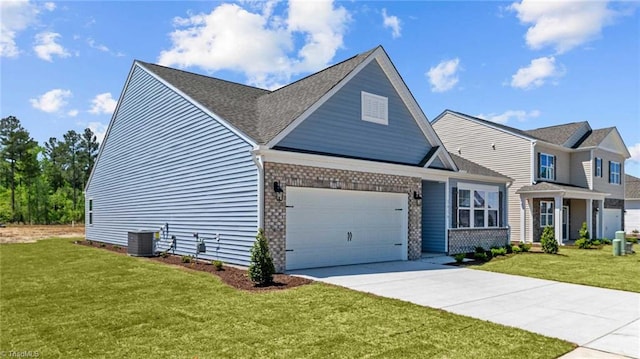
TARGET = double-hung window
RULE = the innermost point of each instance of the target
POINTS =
(546, 213)
(598, 166)
(547, 168)
(478, 207)
(614, 172)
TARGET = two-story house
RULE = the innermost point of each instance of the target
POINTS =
(562, 175)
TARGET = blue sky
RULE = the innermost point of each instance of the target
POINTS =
(525, 64)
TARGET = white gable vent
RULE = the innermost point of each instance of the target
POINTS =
(374, 108)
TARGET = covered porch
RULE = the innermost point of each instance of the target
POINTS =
(563, 207)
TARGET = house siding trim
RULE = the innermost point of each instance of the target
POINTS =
(319, 177)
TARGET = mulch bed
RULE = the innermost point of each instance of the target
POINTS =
(232, 276)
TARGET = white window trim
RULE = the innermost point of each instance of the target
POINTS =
(548, 215)
(619, 173)
(553, 167)
(366, 98)
(598, 166)
(472, 208)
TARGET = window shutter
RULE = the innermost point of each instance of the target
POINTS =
(500, 209)
(555, 168)
(539, 165)
(610, 172)
(454, 207)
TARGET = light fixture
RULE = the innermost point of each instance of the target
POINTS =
(278, 191)
(417, 195)
(597, 209)
(493, 145)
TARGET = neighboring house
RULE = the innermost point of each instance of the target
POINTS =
(340, 167)
(631, 203)
(562, 175)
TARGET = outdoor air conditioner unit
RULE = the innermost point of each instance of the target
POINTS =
(140, 244)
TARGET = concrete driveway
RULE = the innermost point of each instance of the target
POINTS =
(601, 319)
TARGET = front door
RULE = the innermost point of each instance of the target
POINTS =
(565, 223)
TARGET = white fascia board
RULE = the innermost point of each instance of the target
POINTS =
(113, 117)
(433, 157)
(203, 108)
(340, 163)
(565, 194)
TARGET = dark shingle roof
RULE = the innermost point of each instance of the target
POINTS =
(631, 187)
(556, 134)
(258, 113)
(474, 168)
(547, 186)
(595, 137)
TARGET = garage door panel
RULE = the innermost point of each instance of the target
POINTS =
(319, 222)
(612, 221)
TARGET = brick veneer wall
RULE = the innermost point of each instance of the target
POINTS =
(466, 240)
(318, 177)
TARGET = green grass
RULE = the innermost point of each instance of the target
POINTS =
(594, 267)
(65, 300)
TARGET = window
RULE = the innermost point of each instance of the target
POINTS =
(546, 213)
(482, 210)
(598, 167)
(547, 167)
(374, 108)
(614, 172)
(90, 211)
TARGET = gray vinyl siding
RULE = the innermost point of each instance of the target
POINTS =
(562, 163)
(166, 161)
(337, 128)
(434, 217)
(582, 169)
(601, 184)
(511, 157)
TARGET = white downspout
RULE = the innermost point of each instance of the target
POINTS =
(257, 159)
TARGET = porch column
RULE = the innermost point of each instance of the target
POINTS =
(557, 218)
(523, 230)
(589, 217)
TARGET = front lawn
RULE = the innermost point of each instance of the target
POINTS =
(595, 267)
(66, 300)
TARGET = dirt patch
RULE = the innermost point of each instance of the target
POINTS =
(233, 276)
(29, 234)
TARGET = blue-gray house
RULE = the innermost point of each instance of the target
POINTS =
(340, 167)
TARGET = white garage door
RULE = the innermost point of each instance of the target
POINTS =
(632, 215)
(612, 222)
(328, 227)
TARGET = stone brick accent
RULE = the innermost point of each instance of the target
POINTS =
(319, 177)
(465, 240)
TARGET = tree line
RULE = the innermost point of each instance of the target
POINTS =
(43, 184)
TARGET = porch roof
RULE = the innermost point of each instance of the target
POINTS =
(547, 189)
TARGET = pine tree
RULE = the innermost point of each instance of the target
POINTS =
(261, 269)
(548, 240)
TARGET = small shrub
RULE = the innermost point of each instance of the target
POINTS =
(548, 241)
(460, 257)
(479, 250)
(481, 256)
(116, 247)
(185, 259)
(516, 250)
(509, 248)
(489, 255)
(583, 243)
(635, 231)
(633, 240)
(102, 245)
(596, 243)
(605, 241)
(261, 269)
(584, 233)
(525, 247)
(90, 242)
(217, 265)
(164, 254)
(498, 251)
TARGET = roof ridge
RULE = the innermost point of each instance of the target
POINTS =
(201, 75)
(562, 124)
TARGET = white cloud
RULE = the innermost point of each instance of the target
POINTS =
(73, 113)
(391, 22)
(443, 77)
(46, 46)
(103, 104)
(535, 75)
(504, 117)
(259, 44)
(52, 101)
(92, 43)
(635, 152)
(99, 129)
(50, 6)
(562, 24)
(15, 16)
